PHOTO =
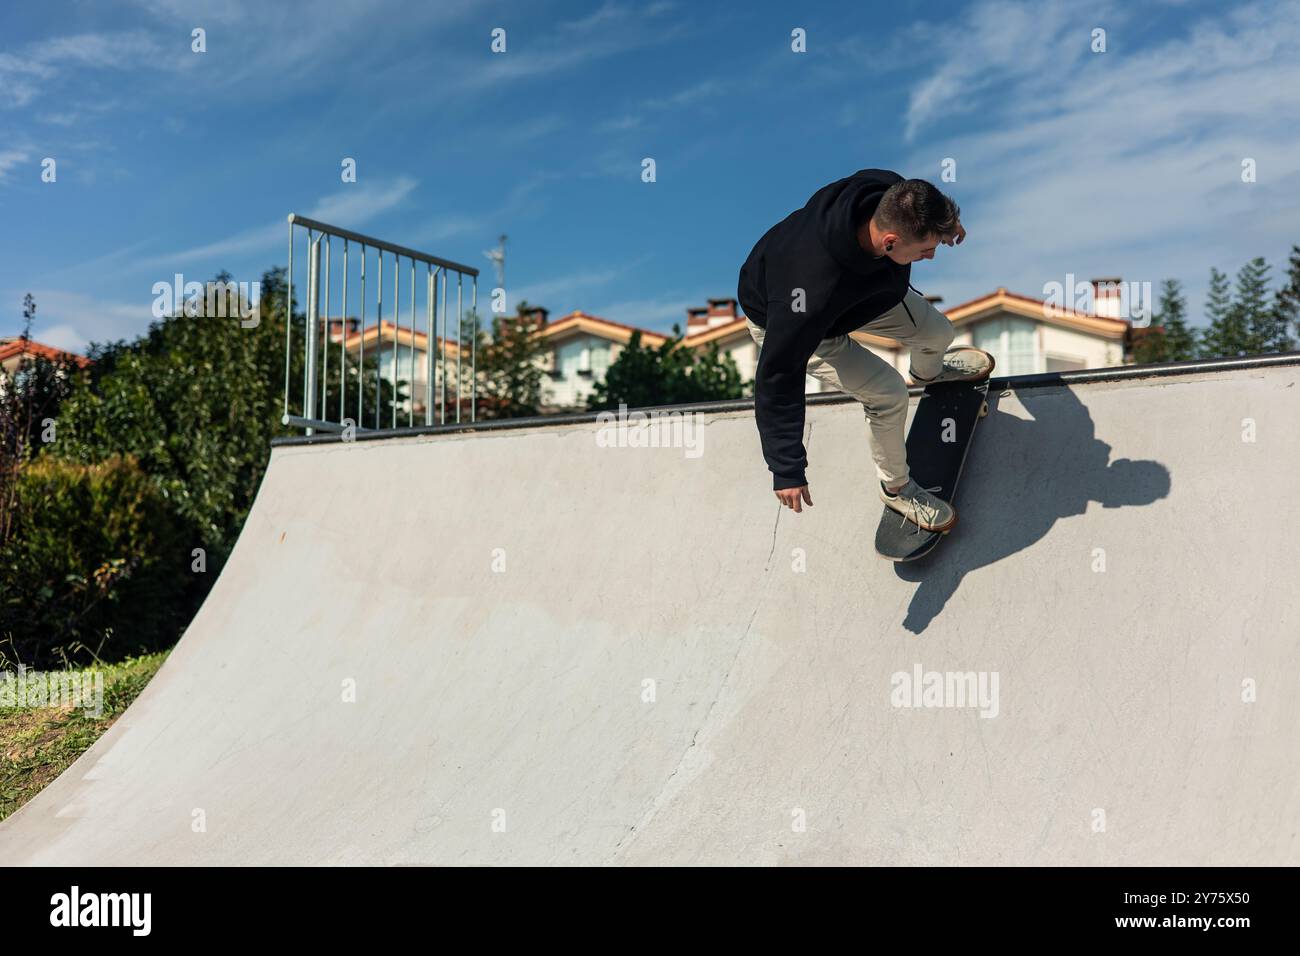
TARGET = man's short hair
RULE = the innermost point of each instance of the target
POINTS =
(916, 210)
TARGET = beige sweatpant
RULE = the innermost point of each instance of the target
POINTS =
(846, 366)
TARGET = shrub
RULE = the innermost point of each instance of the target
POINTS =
(98, 565)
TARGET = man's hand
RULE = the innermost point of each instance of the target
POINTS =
(795, 497)
(956, 236)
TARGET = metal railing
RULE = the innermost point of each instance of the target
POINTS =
(318, 323)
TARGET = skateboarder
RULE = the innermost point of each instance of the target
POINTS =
(839, 264)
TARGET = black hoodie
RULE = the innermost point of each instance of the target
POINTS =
(814, 249)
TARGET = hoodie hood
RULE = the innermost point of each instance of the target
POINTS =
(840, 208)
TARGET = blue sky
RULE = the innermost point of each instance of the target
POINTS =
(1124, 163)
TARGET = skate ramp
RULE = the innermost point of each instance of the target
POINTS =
(526, 647)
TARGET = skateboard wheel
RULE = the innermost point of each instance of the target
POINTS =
(984, 409)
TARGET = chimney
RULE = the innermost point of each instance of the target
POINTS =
(717, 312)
(1106, 298)
(537, 315)
(721, 312)
(341, 328)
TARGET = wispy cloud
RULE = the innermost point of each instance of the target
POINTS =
(71, 320)
(620, 124)
(360, 203)
(999, 42)
(1117, 164)
(611, 30)
(562, 293)
(350, 208)
(448, 227)
(198, 12)
(705, 89)
(38, 65)
(9, 158)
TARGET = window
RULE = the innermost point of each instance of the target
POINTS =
(1022, 357)
(988, 336)
(568, 364)
(1013, 341)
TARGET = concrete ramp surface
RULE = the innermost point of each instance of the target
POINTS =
(563, 652)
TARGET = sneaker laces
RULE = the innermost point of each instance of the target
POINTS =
(919, 507)
(962, 362)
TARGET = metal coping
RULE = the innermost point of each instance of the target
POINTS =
(997, 384)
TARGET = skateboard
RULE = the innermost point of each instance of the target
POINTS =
(934, 464)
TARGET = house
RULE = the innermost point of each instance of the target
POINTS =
(719, 323)
(1024, 334)
(13, 349)
(403, 357)
(579, 348)
(1027, 335)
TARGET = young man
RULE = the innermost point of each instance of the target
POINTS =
(842, 263)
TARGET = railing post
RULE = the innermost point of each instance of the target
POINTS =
(443, 358)
(431, 336)
(460, 320)
(473, 353)
(288, 324)
(343, 339)
(313, 304)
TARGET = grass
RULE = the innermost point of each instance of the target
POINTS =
(39, 743)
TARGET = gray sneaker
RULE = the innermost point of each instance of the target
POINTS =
(917, 505)
(961, 363)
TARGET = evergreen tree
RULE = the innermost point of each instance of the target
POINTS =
(1169, 338)
(1286, 307)
(1181, 341)
(1226, 333)
(1253, 307)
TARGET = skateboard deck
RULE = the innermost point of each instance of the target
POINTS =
(934, 464)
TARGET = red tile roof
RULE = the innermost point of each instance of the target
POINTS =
(16, 347)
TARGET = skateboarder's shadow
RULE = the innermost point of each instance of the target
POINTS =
(1021, 477)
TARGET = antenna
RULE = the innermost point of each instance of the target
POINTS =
(498, 258)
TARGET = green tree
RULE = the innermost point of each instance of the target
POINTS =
(1253, 306)
(1286, 307)
(97, 566)
(667, 374)
(189, 409)
(30, 395)
(1169, 339)
(1226, 333)
(1179, 338)
(196, 400)
(508, 364)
